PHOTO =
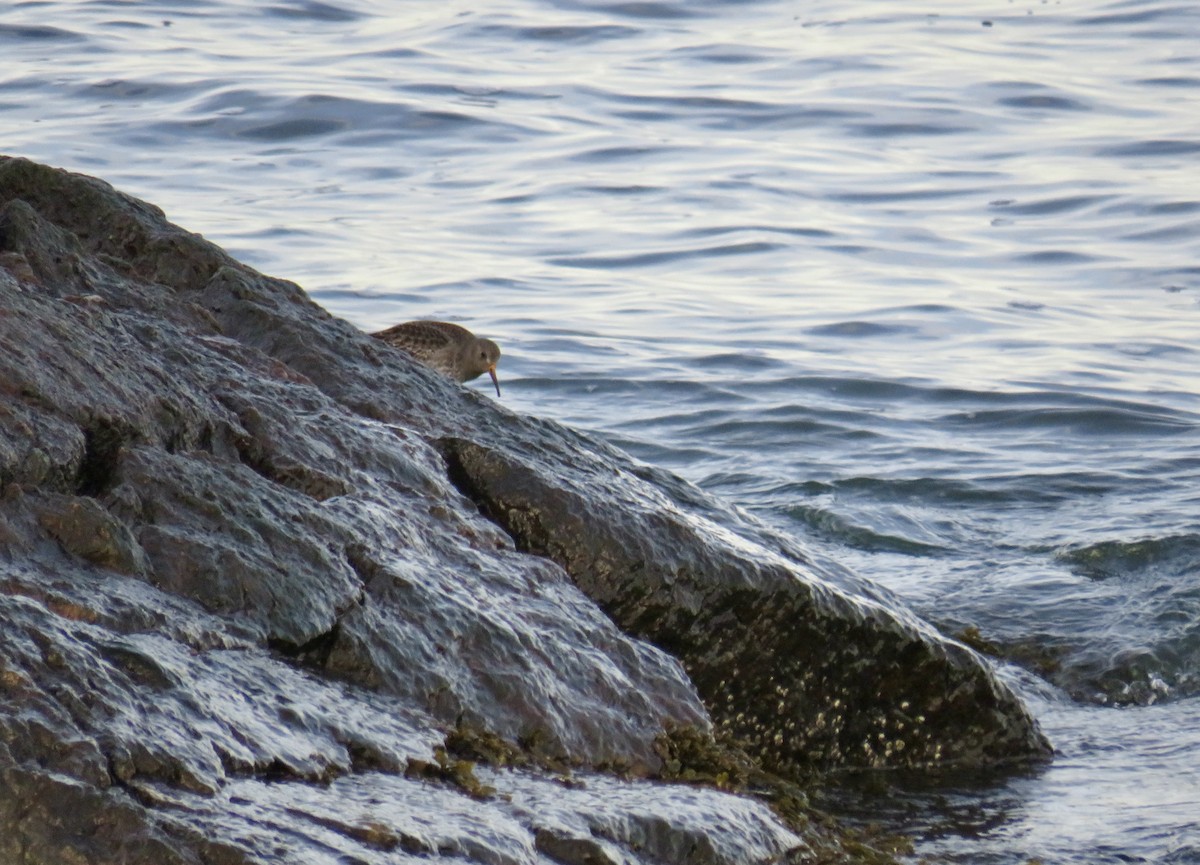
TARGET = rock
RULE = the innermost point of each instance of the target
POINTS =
(578, 824)
(85, 529)
(244, 598)
(799, 673)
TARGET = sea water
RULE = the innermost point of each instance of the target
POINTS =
(916, 285)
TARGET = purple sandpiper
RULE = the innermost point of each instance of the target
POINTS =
(451, 350)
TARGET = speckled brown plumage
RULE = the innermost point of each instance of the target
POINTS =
(448, 348)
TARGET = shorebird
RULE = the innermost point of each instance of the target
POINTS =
(451, 350)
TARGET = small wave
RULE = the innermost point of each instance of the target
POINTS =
(1031, 410)
(688, 419)
(723, 54)
(38, 33)
(1037, 102)
(907, 130)
(849, 248)
(310, 10)
(899, 195)
(1054, 256)
(651, 259)
(1152, 147)
(719, 112)
(657, 454)
(1171, 81)
(615, 189)
(600, 155)
(139, 89)
(265, 116)
(1103, 673)
(655, 391)
(1122, 18)
(763, 431)
(735, 362)
(643, 10)
(1136, 676)
(1048, 206)
(1173, 207)
(778, 117)
(563, 34)
(1185, 231)
(837, 528)
(790, 230)
(860, 329)
(865, 389)
(1179, 554)
(1091, 421)
(289, 130)
(940, 492)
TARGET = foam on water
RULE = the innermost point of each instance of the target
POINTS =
(918, 289)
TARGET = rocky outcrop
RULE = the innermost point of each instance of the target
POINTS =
(799, 673)
(246, 592)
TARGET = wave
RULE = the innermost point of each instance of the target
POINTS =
(1178, 555)
(840, 529)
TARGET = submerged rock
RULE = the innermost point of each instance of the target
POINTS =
(243, 594)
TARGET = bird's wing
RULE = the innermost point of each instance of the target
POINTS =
(421, 338)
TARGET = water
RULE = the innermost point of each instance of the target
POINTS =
(919, 287)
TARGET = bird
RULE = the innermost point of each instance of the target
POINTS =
(448, 348)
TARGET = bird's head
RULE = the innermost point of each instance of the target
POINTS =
(482, 356)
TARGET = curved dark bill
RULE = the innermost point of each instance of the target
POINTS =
(495, 381)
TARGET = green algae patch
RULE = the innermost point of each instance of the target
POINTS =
(446, 769)
(692, 756)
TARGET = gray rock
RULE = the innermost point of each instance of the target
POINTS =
(584, 822)
(243, 602)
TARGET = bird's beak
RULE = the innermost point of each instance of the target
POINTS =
(495, 381)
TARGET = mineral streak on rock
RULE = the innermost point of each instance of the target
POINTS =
(240, 596)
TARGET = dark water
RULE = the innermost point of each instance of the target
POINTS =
(919, 287)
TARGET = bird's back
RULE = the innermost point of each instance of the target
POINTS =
(425, 340)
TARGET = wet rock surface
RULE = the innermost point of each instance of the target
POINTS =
(800, 674)
(243, 595)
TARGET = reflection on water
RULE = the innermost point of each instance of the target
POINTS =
(1018, 819)
(920, 290)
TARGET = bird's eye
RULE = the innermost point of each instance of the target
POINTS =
(483, 355)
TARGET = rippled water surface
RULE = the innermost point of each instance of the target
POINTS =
(918, 286)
